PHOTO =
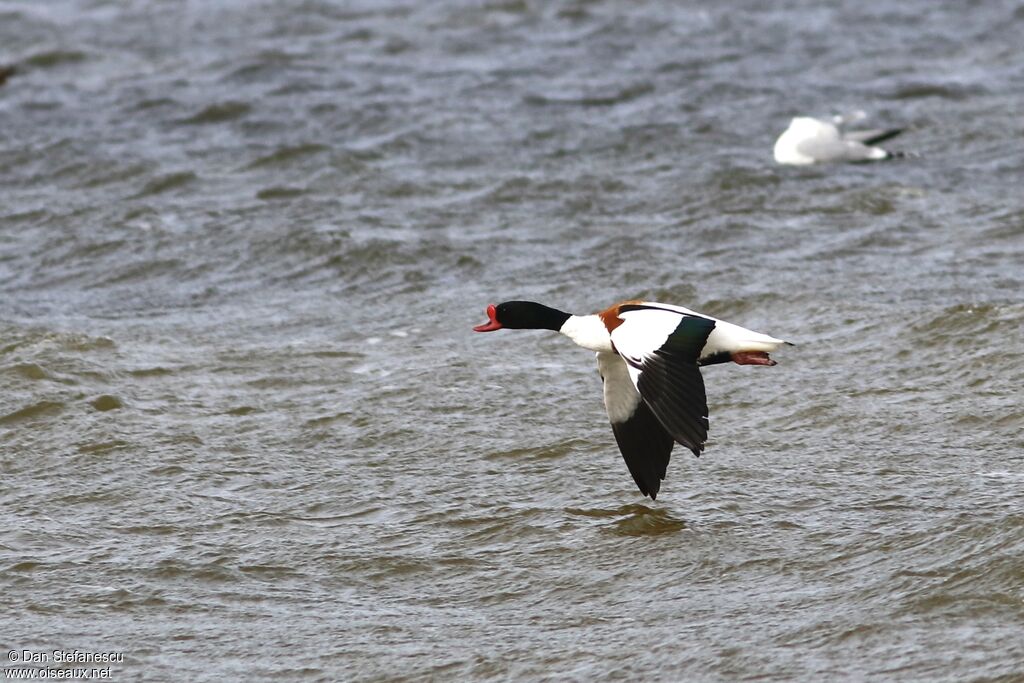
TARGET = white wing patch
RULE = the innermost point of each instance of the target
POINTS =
(644, 331)
(620, 394)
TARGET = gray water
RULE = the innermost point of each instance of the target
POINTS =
(247, 433)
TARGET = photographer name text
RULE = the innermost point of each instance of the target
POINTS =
(64, 657)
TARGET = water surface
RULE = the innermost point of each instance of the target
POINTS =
(246, 431)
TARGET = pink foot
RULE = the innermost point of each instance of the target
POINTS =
(752, 358)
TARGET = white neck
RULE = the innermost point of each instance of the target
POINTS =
(588, 331)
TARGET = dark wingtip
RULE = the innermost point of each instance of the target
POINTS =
(649, 487)
(883, 136)
(899, 155)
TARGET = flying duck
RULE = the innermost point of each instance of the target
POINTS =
(649, 356)
(809, 140)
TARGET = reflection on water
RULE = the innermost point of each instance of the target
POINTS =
(635, 520)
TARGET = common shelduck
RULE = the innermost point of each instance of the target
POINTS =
(649, 356)
(809, 140)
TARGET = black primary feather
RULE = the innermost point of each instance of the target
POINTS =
(671, 384)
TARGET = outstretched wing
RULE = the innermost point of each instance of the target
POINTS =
(645, 445)
(661, 348)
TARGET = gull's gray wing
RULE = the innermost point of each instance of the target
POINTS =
(832, 149)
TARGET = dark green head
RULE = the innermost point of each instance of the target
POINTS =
(522, 315)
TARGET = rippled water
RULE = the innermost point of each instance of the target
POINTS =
(246, 431)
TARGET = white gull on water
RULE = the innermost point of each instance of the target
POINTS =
(809, 140)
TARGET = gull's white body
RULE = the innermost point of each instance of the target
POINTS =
(809, 141)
